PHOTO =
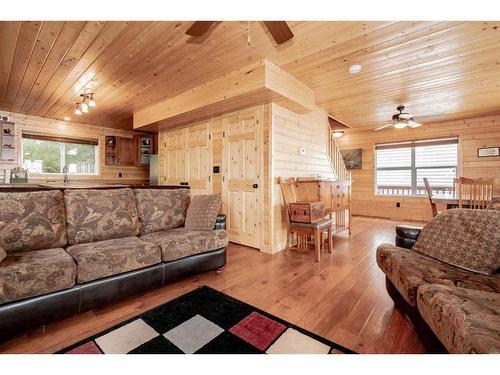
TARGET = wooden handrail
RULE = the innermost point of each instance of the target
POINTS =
(337, 161)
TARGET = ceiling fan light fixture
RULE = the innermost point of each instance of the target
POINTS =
(355, 68)
(400, 125)
(337, 133)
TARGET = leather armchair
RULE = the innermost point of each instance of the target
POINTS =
(406, 235)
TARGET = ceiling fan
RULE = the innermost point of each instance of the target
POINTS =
(401, 120)
(279, 30)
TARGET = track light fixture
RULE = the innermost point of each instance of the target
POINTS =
(88, 101)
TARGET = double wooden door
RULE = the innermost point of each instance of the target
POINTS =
(242, 183)
(187, 158)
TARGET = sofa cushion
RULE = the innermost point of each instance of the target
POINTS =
(464, 320)
(32, 221)
(179, 243)
(464, 238)
(161, 209)
(202, 212)
(33, 273)
(97, 215)
(407, 270)
(96, 260)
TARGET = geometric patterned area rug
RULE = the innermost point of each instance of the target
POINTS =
(205, 321)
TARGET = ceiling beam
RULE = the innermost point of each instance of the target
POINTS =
(259, 83)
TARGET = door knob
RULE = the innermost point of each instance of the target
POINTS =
(255, 186)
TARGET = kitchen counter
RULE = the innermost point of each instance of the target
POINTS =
(80, 185)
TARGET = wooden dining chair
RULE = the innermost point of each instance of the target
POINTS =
(429, 194)
(302, 230)
(476, 194)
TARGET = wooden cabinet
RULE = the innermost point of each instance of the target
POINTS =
(336, 195)
(119, 151)
(143, 144)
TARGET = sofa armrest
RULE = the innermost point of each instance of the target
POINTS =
(220, 222)
(406, 235)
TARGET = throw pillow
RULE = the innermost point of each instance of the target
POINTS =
(202, 212)
(3, 254)
(464, 238)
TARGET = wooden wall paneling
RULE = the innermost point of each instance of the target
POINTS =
(108, 174)
(290, 132)
(473, 133)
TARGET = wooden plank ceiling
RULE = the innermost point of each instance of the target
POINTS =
(439, 70)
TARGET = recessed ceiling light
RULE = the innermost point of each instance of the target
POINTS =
(66, 118)
(354, 69)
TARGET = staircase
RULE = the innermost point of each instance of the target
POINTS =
(337, 161)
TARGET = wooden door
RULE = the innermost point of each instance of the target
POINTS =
(126, 151)
(242, 180)
(198, 158)
(186, 158)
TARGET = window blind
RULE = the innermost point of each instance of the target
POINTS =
(402, 166)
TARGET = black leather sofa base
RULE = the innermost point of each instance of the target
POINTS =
(20, 316)
(429, 339)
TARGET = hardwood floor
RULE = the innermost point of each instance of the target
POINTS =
(343, 298)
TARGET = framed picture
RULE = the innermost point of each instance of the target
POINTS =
(353, 158)
(485, 152)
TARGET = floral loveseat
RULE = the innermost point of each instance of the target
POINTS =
(458, 307)
(66, 252)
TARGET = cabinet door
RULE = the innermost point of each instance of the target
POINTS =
(126, 151)
(198, 158)
(242, 186)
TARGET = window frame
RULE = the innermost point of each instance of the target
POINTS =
(413, 144)
(62, 140)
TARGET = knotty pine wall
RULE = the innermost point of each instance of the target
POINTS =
(47, 126)
(472, 133)
(284, 133)
(289, 132)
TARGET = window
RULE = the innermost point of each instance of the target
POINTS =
(401, 167)
(44, 154)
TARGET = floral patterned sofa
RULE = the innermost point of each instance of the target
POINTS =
(64, 252)
(453, 309)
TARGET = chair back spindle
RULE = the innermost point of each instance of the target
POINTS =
(477, 194)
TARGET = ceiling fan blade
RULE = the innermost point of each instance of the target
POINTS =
(414, 124)
(383, 127)
(279, 30)
(199, 28)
